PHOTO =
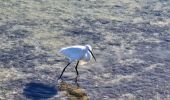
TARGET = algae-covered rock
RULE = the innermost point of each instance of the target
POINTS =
(73, 92)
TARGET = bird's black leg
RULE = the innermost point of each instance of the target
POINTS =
(63, 71)
(76, 79)
(76, 68)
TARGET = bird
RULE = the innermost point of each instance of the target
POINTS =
(76, 53)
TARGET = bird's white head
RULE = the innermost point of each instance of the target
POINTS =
(88, 47)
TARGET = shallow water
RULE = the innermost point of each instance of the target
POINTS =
(130, 39)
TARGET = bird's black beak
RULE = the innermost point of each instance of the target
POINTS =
(92, 54)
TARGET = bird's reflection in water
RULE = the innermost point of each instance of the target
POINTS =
(76, 82)
(73, 92)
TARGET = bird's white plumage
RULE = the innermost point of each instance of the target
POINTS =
(87, 56)
(77, 52)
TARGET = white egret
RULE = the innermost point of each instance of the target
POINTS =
(77, 53)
